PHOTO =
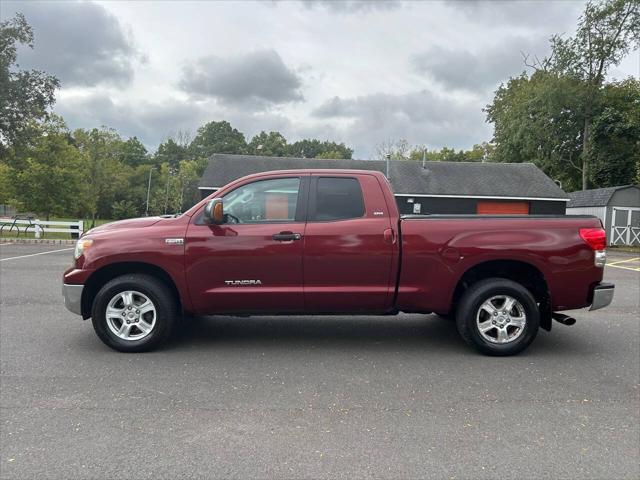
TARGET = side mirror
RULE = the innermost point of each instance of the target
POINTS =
(214, 211)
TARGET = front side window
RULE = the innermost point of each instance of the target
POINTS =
(338, 198)
(263, 201)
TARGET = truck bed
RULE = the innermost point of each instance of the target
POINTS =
(437, 250)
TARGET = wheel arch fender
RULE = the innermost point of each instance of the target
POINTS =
(108, 272)
(524, 272)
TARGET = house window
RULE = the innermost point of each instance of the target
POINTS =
(502, 208)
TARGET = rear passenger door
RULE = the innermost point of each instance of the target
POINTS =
(348, 246)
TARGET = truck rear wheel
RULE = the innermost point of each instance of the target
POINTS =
(498, 317)
(134, 313)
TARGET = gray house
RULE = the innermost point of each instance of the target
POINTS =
(618, 208)
(438, 187)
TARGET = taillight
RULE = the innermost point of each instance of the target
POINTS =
(596, 238)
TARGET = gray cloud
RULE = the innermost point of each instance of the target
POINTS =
(152, 123)
(81, 43)
(419, 117)
(462, 69)
(532, 14)
(259, 77)
(353, 6)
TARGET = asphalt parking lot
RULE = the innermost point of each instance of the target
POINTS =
(319, 397)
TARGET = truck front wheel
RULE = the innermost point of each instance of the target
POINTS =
(498, 317)
(134, 313)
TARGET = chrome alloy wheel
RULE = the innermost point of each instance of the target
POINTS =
(131, 315)
(501, 319)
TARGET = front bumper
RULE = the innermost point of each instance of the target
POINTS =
(73, 297)
(602, 295)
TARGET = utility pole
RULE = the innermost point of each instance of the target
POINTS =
(424, 157)
(148, 191)
(166, 192)
(388, 156)
(181, 196)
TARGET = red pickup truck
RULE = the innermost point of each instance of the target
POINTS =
(333, 242)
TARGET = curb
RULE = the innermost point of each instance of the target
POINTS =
(46, 241)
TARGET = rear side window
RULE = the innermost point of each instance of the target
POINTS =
(337, 198)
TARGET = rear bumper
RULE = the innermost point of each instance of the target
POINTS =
(73, 297)
(602, 295)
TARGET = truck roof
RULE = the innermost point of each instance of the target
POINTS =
(327, 171)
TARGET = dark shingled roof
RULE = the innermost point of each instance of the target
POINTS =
(596, 197)
(489, 179)
(407, 177)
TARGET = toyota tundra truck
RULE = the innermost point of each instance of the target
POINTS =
(311, 242)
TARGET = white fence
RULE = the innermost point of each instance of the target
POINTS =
(39, 228)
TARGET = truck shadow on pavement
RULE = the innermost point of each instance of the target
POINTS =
(417, 331)
(409, 332)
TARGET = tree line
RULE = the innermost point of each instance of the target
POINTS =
(95, 173)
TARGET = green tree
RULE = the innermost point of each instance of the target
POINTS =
(330, 155)
(176, 190)
(164, 192)
(482, 152)
(52, 180)
(615, 152)
(451, 155)
(217, 137)
(190, 173)
(124, 209)
(6, 188)
(313, 148)
(606, 32)
(25, 95)
(133, 152)
(538, 119)
(170, 152)
(136, 190)
(107, 175)
(272, 144)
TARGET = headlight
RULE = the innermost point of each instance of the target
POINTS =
(81, 246)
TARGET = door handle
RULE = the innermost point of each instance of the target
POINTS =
(286, 236)
(389, 236)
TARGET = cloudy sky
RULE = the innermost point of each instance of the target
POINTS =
(354, 72)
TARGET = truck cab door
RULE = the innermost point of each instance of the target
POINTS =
(350, 246)
(251, 263)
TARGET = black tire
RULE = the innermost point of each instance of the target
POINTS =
(160, 295)
(478, 294)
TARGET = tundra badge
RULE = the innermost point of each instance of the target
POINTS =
(242, 283)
